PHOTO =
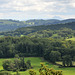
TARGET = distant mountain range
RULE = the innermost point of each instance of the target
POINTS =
(9, 25)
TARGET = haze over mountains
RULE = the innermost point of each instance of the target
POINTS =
(8, 25)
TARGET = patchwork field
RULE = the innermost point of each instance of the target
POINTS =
(35, 61)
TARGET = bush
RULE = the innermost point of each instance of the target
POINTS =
(44, 70)
(7, 65)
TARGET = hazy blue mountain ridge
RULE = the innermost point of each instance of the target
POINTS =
(7, 25)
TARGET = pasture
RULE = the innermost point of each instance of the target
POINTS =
(72, 39)
(35, 62)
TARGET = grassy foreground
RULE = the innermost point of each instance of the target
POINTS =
(35, 61)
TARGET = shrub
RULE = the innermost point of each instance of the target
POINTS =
(44, 70)
(7, 64)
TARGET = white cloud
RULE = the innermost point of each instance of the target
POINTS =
(36, 5)
(37, 8)
(1, 15)
(72, 3)
(25, 5)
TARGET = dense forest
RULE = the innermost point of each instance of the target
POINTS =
(47, 41)
(51, 49)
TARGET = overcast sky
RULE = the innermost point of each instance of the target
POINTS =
(37, 9)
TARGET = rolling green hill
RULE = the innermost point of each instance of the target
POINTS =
(8, 25)
(57, 29)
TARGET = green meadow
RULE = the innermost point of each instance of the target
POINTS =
(72, 39)
(35, 61)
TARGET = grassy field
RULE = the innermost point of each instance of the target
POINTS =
(73, 39)
(35, 61)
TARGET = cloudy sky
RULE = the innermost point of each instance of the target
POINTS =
(37, 9)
